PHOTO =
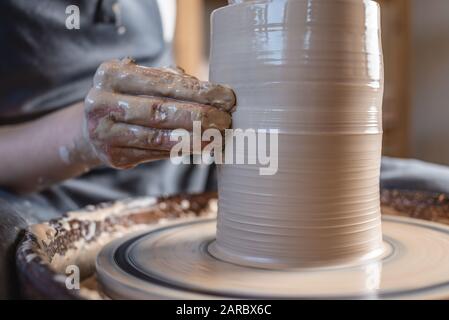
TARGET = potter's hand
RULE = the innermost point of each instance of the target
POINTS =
(131, 111)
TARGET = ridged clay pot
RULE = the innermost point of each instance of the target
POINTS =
(313, 70)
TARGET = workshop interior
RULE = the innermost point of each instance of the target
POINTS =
(213, 149)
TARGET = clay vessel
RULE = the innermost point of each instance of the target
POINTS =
(313, 70)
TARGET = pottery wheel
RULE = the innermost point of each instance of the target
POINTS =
(177, 261)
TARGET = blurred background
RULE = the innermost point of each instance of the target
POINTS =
(416, 49)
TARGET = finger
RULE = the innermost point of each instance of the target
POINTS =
(154, 112)
(138, 137)
(125, 146)
(175, 69)
(125, 136)
(126, 158)
(126, 77)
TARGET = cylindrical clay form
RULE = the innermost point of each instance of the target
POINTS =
(313, 70)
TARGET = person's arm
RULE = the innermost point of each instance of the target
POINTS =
(41, 152)
(126, 119)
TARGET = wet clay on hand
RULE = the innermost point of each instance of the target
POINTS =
(132, 110)
(127, 77)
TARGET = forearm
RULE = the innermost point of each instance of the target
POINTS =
(45, 151)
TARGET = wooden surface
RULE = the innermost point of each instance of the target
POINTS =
(396, 47)
(189, 38)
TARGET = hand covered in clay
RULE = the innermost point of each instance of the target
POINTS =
(132, 110)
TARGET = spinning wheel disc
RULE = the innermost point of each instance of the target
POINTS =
(177, 261)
